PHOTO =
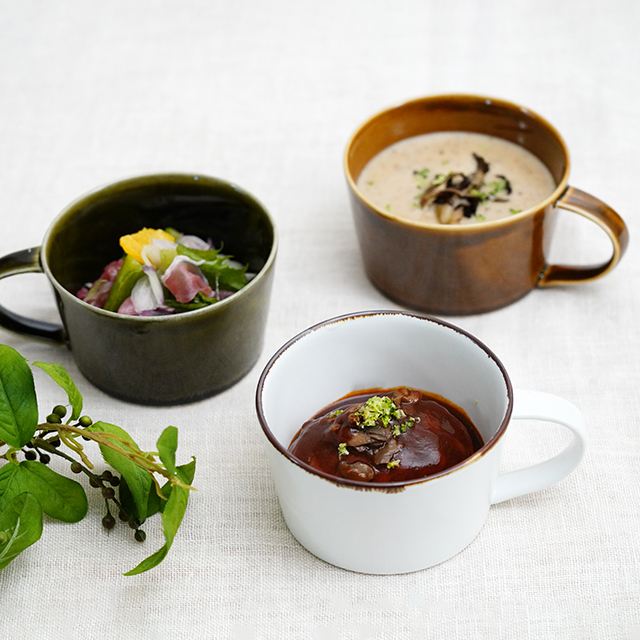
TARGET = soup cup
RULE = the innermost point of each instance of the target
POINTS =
(397, 527)
(453, 269)
(156, 360)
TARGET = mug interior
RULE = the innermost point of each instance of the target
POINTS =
(474, 114)
(381, 350)
(85, 237)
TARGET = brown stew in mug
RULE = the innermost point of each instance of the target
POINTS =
(387, 435)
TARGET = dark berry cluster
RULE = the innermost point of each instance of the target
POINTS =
(106, 483)
(34, 448)
(49, 442)
(33, 452)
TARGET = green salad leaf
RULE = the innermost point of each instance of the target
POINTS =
(218, 269)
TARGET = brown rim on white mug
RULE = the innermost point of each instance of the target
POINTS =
(382, 486)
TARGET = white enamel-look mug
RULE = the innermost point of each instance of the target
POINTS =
(387, 528)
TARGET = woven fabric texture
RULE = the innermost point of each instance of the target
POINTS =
(266, 95)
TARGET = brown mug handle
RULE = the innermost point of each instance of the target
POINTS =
(26, 261)
(604, 216)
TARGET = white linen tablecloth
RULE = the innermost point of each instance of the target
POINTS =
(266, 95)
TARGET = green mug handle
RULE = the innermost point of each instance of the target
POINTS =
(605, 217)
(26, 261)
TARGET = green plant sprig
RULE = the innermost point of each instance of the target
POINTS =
(29, 488)
(96, 481)
(144, 460)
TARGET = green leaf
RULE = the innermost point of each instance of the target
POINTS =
(8, 483)
(208, 255)
(187, 472)
(167, 445)
(138, 480)
(151, 562)
(199, 302)
(18, 404)
(217, 269)
(154, 503)
(60, 497)
(221, 274)
(21, 521)
(172, 515)
(126, 499)
(130, 272)
(60, 375)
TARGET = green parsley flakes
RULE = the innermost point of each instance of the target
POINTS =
(378, 409)
(440, 178)
(496, 186)
(478, 194)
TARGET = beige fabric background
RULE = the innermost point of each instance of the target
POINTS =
(266, 95)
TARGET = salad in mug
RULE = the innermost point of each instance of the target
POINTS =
(164, 272)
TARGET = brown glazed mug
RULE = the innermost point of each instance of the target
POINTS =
(154, 360)
(465, 269)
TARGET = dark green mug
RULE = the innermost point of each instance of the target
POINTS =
(154, 360)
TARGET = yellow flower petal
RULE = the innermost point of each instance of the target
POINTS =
(134, 243)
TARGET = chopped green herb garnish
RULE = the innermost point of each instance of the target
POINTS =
(371, 182)
(378, 409)
(496, 186)
(478, 194)
(454, 195)
(336, 413)
(388, 207)
(421, 179)
(342, 449)
(393, 464)
(402, 428)
(514, 211)
(440, 178)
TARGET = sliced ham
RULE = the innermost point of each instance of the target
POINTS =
(184, 279)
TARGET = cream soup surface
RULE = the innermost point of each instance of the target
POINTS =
(396, 178)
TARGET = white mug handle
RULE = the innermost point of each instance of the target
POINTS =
(536, 405)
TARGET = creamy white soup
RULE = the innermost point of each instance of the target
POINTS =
(455, 177)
